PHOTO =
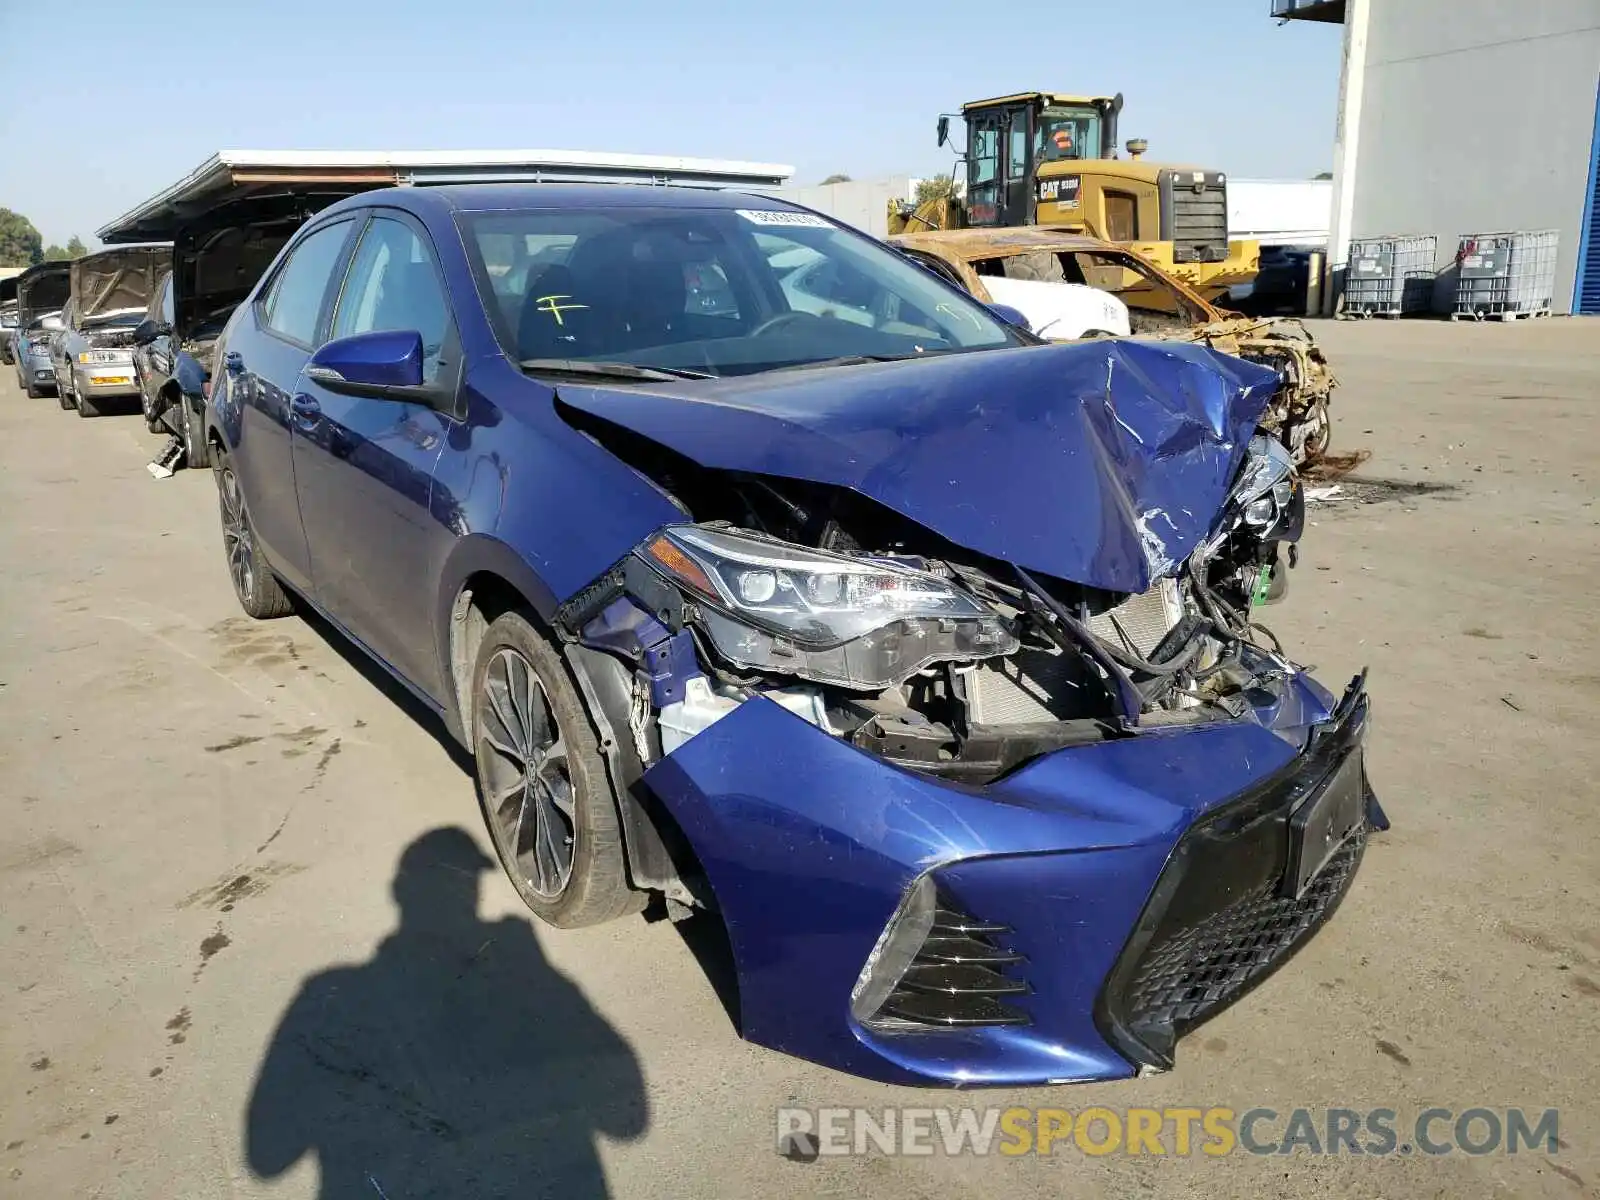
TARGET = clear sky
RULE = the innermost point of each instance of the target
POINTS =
(137, 93)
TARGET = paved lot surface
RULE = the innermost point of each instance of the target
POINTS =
(202, 819)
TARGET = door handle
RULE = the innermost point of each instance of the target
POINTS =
(305, 409)
(233, 362)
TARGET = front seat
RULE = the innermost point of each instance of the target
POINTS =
(656, 302)
(555, 322)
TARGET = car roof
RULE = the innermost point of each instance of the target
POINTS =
(970, 244)
(509, 197)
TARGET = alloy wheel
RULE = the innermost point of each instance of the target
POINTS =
(236, 537)
(527, 779)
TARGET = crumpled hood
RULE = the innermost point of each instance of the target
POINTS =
(1104, 463)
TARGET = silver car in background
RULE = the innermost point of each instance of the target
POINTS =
(93, 354)
(41, 292)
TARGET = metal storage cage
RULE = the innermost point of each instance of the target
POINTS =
(1505, 275)
(1390, 276)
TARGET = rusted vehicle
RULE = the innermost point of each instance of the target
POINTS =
(1158, 306)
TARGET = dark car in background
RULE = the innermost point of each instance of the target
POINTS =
(1281, 284)
(93, 353)
(42, 292)
(8, 329)
(216, 260)
(8, 320)
(914, 649)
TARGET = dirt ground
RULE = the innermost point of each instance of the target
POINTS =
(202, 820)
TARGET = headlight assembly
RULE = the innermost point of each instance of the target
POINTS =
(853, 622)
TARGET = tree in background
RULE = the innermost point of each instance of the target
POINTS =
(20, 243)
(73, 249)
(939, 187)
(835, 179)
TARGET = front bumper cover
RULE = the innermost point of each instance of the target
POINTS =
(124, 381)
(810, 844)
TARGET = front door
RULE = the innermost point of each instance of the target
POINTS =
(363, 468)
(1016, 166)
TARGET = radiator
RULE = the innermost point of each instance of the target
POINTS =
(1053, 685)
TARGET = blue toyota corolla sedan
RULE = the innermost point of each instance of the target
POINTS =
(917, 650)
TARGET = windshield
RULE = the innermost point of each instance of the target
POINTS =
(711, 290)
(128, 316)
(1067, 133)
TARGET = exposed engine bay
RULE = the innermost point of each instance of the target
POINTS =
(880, 632)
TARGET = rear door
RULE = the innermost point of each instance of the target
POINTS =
(265, 352)
(364, 468)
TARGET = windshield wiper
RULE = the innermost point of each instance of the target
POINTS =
(607, 370)
(848, 360)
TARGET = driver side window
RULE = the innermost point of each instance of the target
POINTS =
(393, 284)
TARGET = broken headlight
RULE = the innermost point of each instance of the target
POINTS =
(860, 623)
(1265, 491)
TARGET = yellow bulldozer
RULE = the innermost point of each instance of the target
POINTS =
(1044, 158)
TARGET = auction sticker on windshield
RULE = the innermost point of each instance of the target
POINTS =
(763, 216)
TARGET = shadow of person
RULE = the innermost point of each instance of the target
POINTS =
(456, 1062)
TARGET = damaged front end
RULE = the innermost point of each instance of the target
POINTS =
(1298, 413)
(883, 635)
(874, 749)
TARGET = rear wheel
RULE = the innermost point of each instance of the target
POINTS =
(256, 587)
(544, 790)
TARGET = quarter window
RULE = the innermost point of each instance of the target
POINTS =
(294, 301)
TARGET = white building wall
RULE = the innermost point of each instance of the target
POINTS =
(862, 203)
(1476, 116)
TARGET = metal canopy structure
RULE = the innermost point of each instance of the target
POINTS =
(231, 175)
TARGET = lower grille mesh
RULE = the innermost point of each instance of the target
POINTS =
(1183, 979)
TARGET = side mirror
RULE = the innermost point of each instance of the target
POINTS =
(1011, 316)
(148, 330)
(384, 365)
(944, 130)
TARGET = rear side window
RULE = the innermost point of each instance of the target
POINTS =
(294, 300)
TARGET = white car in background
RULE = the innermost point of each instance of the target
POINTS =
(1062, 310)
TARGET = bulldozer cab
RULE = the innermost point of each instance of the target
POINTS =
(1010, 136)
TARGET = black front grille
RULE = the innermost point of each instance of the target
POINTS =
(1220, 920)
(1203, 968)
(1196, 212)
(959, 978)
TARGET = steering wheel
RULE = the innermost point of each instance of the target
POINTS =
(781, 321)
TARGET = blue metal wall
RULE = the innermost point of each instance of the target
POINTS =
(1586, 295)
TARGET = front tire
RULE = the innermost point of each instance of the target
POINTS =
(258, 591)
(196, 451)
(543, 788)
(85, 406)
(152, 421)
